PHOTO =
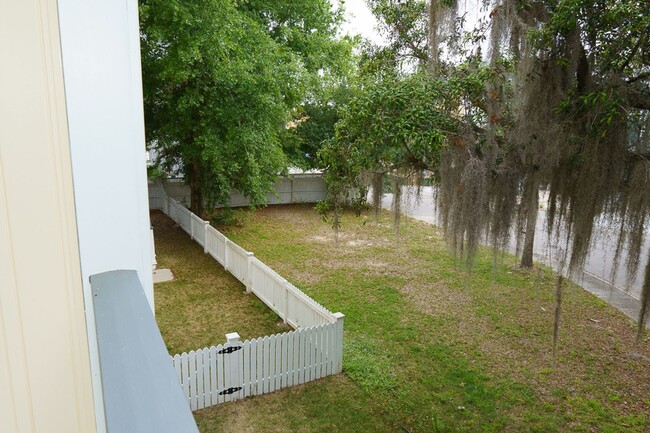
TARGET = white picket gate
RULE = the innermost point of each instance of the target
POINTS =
(236, 370)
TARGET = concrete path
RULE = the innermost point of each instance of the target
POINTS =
(597, 272)
(162, 275)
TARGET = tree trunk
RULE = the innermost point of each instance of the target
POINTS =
(645, 303)
(558, 311)
(433, 36)
(531, 195)
(196, 195)
(377, 193)
(397, 203)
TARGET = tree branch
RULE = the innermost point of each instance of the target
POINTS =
(633, 53)
(639, 100)
(640, 77)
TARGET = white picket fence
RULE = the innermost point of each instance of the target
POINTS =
(236, 370)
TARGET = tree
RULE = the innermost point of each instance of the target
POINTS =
(396, 125)
(404, 24)
(220, 78)
(559, 101)
(313, 122)
(580, 85)
(314, 127)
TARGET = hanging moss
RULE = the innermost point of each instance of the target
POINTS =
(559, 117)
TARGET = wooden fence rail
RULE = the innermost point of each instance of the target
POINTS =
(235, 370)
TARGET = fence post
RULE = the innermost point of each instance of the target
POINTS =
(206, 224)
(225, 254)
(338, 366)
(191, 226)
(175, 208)
(286, 302)
(249, 271)
(153, 251)
(233, 370)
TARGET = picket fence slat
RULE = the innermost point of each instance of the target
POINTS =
(176, 361)
(310, 356)
(316, 371)
(185, 383)
(278, 361)
(301, 359)
(289, 357)
(265, 364)
(296, 358)
(200, 403)
(238, 374)
(220, 378)
(272, 351)
(194, 397)
(253, 365)
(246, 368)
(228, 375)
(206, 378)
(259, 370)
(213, 376)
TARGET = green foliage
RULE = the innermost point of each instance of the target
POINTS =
(404, 24)
(216, 94)
(398, 123)
(316, 127)
(220, 79)
(314, 123)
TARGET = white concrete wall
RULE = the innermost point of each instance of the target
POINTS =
(45, 375)
(297, 188)
(101, 64)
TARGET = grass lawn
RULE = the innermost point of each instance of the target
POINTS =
(204, 302)
(428, 346)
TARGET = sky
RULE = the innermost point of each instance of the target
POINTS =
(359, 20)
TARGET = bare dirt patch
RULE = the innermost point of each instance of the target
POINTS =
(435, 298)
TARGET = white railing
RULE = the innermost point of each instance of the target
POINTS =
(287, 301)
(312, 351)
(237, 260)
(198, 229)
(183, 217)
(216, 244)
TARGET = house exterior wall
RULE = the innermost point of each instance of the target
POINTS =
(101, 63)
(45, 380)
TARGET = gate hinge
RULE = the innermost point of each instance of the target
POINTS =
(230, 390)
(230, 349)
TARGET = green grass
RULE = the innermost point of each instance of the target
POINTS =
(430, 347)
(204, 302)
